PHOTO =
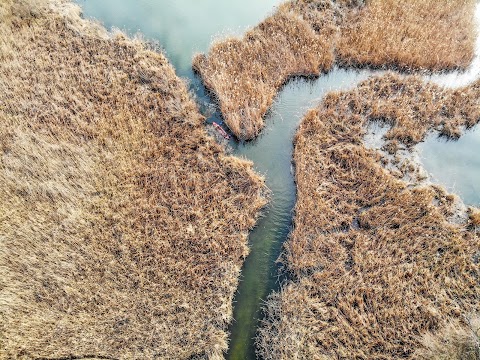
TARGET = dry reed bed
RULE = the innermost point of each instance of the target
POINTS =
(302, 36)
(412, 34)
(123, 226)
(245, 74)
(454, 341)
(375, 263)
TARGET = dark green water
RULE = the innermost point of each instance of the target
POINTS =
(272, 155)
(184, 27)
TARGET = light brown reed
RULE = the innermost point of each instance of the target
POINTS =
(306, 37)
(245, 75)
(456, 341)
(375, 264)
(123, 226)
(420, 34)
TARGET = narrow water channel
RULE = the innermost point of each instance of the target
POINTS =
(271, 153)
(184, 27)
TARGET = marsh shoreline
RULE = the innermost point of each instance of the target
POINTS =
(124, 226)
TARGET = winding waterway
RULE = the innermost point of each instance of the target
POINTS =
(184, 27)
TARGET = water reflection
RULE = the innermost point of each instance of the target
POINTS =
(455, 164)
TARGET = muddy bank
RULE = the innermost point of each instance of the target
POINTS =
(308, 37)
(379, 269)
(123, 225)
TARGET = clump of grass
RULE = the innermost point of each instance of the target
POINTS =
(456, 341)
(424, 34)
(123, 226)
(375, 264)
(411, 107)
(474, 216)
(302, 38)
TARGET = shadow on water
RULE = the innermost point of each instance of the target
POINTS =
(184, 27)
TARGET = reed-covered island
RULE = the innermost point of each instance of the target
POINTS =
(307, 37)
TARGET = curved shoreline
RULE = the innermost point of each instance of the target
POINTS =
(361, 232)
(246, 74)
(145, 78)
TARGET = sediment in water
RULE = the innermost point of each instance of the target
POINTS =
(378, 270)
(307, 37)
(123, 226)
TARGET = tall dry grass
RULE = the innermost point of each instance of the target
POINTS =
(245, 74)
(411, 107)
(375, 263)
(123, 226)
(303, 37)
(419, 34)
(456, 341)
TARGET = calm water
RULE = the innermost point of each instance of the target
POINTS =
(272, 155)
(455, 164)
(184, 27)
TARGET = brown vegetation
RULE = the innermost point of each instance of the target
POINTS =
(474, 217)
(246, 74)
(375, 263)
(301, 38)
(123, 226)
(420, 34)
(411, 107)
(456, 341)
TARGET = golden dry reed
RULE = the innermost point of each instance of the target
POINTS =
(303, 36)
(410, 34)
(123, 226)
(376, 266)
(455, 341)
(246, 74)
